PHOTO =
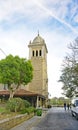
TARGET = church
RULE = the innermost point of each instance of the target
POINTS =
(36, 91)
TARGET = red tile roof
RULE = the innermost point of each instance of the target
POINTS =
(4, 92)
(24, 92)
(20, 92)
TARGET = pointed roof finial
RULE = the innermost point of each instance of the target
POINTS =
(38, 32)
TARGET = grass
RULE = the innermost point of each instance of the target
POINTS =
(2, 110)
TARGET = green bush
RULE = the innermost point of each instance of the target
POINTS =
(28, 110)
(17, 104)
(26, 103)
(39, 112)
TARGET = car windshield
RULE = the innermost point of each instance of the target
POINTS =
(76, 102)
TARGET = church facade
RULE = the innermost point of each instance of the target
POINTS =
(38, 56)
(37, 90)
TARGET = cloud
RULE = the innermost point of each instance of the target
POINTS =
(57, 48)
(35, 12)
(11, 10)
(50, 13)
(54, 68)
(76, 18)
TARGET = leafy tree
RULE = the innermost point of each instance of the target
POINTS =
(69, 76)
(58, 101)
(67, 80)
(15, 71)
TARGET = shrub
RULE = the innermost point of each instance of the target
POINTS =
(16, 104)
(39, 112)
(28, 110)
(26, 103)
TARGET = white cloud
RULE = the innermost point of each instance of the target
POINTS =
(34, 11)
(54, 67)
(76, 18)
(53, 14)
(24, 8)
(57, 47)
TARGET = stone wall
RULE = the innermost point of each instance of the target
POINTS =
(7, 124)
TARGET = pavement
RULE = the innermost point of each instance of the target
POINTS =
(27, 125)
(55, 119)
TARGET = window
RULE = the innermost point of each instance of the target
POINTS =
(33, 53)
(40, 53)
(36, 53)
(39, 98)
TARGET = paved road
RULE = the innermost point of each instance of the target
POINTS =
(56, 119)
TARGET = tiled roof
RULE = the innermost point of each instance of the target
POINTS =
(20, 92)
(24, 92)
(4, 92)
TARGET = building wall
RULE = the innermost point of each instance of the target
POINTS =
(1, 86)
(39, 84)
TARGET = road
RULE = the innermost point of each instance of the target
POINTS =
(57, 119)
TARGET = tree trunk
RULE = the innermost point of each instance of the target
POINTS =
(11, 94)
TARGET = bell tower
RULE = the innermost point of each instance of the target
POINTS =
(38, 56)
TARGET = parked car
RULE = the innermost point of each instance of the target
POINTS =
(74, 107)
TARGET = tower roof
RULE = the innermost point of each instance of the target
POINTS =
(38, 40)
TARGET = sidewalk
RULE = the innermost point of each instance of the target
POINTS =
(27, 125)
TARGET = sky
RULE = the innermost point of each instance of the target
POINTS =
(57, 23)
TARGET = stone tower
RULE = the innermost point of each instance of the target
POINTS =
(38, 56)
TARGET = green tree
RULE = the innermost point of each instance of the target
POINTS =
(15, 71)
(69, 76)
(67, 79)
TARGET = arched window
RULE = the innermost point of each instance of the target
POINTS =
(33, 53)
(36, 53)
(40, 53)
